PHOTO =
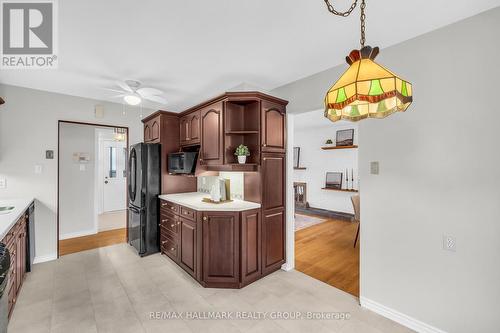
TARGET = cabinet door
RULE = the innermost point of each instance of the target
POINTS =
(147, 132)
(184, 129)
(188, 246)
(273, 240)
(19, 257)
(155, 129)
(273, 181)
(273, 127)
(194, 127)
(251, 235)
(211, 135)
(221, 248)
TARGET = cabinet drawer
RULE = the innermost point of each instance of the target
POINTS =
(168, 206)
(187, 213)
(169, 247)
(164, 233)
(170, 222)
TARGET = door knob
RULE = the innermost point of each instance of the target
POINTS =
(105, 182)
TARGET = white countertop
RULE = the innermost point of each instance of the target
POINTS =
(9, 219)
(193, 200)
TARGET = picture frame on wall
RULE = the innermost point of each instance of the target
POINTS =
(345, 137)
(334, 180)
(296, 157)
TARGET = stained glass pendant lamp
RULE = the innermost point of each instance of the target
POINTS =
(366, 89)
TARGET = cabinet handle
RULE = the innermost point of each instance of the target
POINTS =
(264, 145)
(172, 207)
(178, 223)
(204, 218)
(171, 249)
(164, 220)
(163, 242)
(164, 204)
(172, 225)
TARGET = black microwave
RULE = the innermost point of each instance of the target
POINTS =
(182, 163)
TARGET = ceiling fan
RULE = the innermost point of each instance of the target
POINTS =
(133, 93)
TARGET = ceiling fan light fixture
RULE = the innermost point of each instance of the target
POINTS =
(132, 99)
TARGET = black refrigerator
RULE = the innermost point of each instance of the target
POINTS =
(144, 184)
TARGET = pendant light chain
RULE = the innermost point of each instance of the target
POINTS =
(348, 12)
(363, 18)
(344, 14)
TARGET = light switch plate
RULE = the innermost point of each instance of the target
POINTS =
(3, 183)
(374, 168)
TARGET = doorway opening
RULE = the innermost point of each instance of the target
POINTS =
(92, 183)
(326, 193)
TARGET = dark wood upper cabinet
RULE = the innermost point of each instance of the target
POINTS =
(147, 132)
(152, 129)
(273, 127)
(251, 234)
(184, 130)
(273, 181)
(194, 127)
(211, 152)
(188, 245)
(190, 128)
(221, 248)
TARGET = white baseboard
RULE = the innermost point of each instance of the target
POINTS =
(40, 259)
(398, 317)
(78, 234)
(287, 267)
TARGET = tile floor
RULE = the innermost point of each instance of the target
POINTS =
(111, 289)
(112, 220)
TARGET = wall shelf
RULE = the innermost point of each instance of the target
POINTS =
(300, 168)
(339, 190)
(339, 147)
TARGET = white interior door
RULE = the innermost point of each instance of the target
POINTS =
(114, 174)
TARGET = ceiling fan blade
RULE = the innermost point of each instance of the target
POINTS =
(144, 92)
(156, 99)
(114, 90)
(124, 86)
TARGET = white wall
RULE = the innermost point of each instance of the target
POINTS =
(310, 134)
(439, 174)
(28, 127)
(77, 186)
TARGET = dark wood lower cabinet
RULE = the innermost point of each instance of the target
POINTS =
(251, 235)
(188, 246)
(273, 240)
(223, 249)
(15, 240)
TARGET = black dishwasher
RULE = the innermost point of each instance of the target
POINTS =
(4, 293)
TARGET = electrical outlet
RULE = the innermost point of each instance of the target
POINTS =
(374, 168)
(449, 243)
(3, 183)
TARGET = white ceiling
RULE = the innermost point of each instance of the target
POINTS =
(194, 50)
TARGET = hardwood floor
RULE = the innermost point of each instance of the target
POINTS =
(103, 238)
(325, 252)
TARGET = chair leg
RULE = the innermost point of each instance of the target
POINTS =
(357, 235)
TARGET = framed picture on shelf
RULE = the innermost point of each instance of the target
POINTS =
(296, 157)
(334, 180)
(345, 137)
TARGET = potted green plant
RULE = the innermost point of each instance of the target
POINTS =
(329, 142)
(242, 152)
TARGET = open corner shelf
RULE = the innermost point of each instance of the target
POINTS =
(241, 132)
(247, 167)
(339, 147)
(299, 168)
(339, 190)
